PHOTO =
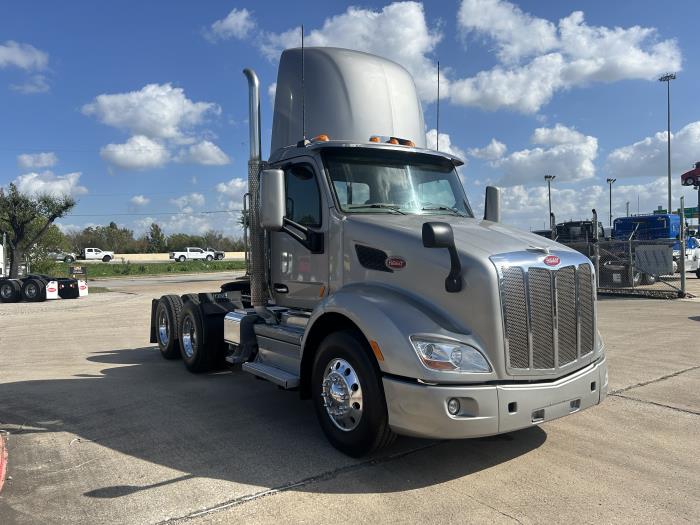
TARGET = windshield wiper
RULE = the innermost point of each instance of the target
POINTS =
(455, 211)
(392, 207)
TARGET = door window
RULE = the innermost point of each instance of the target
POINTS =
(303, 196)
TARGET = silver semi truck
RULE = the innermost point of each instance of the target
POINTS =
(373, 289)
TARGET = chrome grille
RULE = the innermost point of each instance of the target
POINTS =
(539, 282)
(566, 314)
(548, 314)
(516, 313)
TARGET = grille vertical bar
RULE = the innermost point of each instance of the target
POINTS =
(566, 315)
(541, 317)
(586, 312)
(515, 309)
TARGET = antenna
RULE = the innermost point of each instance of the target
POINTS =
(303, 97)
(437, 124)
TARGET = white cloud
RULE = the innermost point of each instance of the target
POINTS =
(206, 153)
(237, 24)
(231, 193)
(648, 157)
(32, 161)
(527, 207)
(445, 143)
(35, 84)
(567, 154)
(49, 183)
(271, 92)
(139, 200)
(137, 153)
(23, 56)
(187, 203)
(398, 32)
(157, 111)
(492, 151)
(561, 57)
(517, 34)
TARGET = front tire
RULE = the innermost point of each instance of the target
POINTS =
(210, 258)
(348, 395)
(648, 279)
(106, 258)
(68, 259)
(181, 258)
(167, 326)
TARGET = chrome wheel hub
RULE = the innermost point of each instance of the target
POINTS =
(189, 336)
(342, 395)
(31, 290)
(163, 328)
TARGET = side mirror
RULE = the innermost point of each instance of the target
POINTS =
(272, 199)
(492, 207)
(440, 235)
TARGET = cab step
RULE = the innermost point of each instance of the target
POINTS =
(272, 374)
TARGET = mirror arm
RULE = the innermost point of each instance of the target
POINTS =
(453, 282)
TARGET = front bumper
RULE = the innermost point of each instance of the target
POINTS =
(421, 410)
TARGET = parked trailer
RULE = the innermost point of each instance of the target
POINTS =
(374, 290)
(37, 288)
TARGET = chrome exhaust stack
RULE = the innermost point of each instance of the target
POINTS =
(258, 293)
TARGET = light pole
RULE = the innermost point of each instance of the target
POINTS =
(610, 183)
(667, 78)
(549, 179)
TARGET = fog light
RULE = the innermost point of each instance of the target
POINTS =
(453, 406)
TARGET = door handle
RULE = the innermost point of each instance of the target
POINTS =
(280, 288)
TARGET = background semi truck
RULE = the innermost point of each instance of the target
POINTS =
(373, 289)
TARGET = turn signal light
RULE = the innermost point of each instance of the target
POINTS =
(320, 138)
(374, 138)
(393, 140)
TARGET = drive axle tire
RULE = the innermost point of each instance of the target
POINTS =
(34, 291)
(201, 338)
(10, 291)
(648, 279)
(348, 395)
(697, 273)
(167, 326)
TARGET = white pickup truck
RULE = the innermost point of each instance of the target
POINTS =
(95, 254)
(191, 253)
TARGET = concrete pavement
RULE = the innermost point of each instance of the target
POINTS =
(103, 430)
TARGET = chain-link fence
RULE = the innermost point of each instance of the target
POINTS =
(643, 267)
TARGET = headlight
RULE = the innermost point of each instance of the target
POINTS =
(450, 356)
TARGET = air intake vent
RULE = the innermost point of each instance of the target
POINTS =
(372, 258)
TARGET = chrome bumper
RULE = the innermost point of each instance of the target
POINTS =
(421, 410)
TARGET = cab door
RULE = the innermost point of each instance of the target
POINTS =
(298, 268)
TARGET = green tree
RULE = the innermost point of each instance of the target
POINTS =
(157, 242)
(26, 219)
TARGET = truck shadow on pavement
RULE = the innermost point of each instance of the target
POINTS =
(226, 425)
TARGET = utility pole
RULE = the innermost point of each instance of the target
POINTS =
(667, 78)
(610, 183)
(549, 179)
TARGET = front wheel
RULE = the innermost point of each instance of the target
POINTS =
(106, 258)
(181, 258)
(210, 258)
(648, 279)
(69, 259)
(348, 395)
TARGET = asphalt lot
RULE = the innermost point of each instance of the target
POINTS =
(102, 430)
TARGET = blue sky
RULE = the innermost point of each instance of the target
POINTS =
(139, 109)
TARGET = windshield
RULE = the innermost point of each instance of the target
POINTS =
(374, 181)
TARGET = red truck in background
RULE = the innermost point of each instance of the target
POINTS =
(692, 177)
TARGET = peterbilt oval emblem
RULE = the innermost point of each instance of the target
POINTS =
(552, 260)
(395, 263)
(51, 289)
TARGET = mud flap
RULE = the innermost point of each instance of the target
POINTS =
(154, 305)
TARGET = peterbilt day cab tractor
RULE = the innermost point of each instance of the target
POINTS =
(373, 289)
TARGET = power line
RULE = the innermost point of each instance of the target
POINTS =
(144, 214)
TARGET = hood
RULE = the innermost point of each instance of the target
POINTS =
(472, 236)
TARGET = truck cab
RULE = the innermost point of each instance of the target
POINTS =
(374, 289)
